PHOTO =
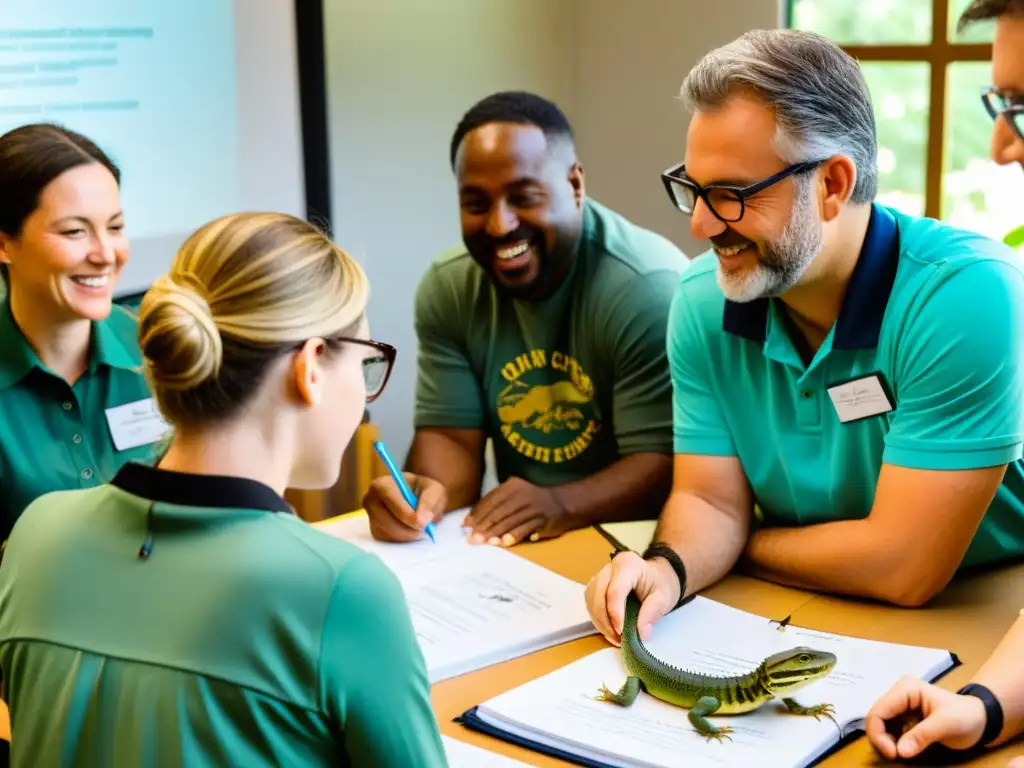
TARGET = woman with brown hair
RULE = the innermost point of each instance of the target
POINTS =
(74, 405)
(181, 614)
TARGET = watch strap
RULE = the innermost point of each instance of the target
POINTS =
(939, 754)
(993, 711)
(663, 550)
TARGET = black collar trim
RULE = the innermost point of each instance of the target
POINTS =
(192, 490)
(867, 295)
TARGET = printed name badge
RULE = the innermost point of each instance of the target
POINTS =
(860, 398)
(135, 424)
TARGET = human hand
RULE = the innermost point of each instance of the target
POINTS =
(946, 718)
(514, 511)
(654, 581)
(392, 519)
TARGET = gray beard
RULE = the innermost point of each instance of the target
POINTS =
(783, 261)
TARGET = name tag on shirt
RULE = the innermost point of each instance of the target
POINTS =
(135, 424)
(860, 398)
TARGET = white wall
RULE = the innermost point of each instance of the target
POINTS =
(631, 58)
(400, 74)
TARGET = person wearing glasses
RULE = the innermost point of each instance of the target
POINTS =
(182, 614)
(849, 384)
(73, 405)
(989, 710)
(543, 332)
(1004, 101)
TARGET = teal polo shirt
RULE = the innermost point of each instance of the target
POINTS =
(54, 436)
(246, 637)
(932, 318)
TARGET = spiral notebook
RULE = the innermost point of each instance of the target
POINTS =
(559, 714)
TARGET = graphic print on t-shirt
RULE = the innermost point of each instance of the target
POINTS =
(546, 409)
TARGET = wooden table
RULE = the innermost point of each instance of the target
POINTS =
(969, 618)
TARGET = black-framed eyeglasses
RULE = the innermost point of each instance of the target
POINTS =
(998, 103)
(726, 201)
(376, 367)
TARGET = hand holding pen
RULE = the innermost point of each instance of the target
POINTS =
(395, 511)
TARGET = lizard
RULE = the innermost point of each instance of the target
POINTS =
(778, 676)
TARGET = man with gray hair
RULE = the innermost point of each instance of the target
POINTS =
(848, 385)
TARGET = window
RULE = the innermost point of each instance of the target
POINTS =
(925, 81)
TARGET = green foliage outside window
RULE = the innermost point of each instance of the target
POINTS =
(976, 193)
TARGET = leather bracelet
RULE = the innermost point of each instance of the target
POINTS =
(661, 549)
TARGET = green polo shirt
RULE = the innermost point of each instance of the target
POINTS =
(54, 436)
(246, 637)
(932, 318)
(567, 386)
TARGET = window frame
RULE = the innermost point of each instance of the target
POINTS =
(938, 54)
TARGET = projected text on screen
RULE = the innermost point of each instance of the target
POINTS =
(152, 82)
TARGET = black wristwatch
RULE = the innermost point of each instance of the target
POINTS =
(661, 549)
(993, 711)
(940, 754)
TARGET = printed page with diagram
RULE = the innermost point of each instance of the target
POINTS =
(561, 709)
(473, 606)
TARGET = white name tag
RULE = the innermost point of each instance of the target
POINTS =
(860, 398)
(135, 424)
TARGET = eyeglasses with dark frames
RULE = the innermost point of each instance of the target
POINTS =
(1010, 106)
(726, 201)
(376, 367)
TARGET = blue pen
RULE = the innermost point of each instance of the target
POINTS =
(399, 479)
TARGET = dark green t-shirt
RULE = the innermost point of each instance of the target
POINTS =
(59, 437)
(564, 387)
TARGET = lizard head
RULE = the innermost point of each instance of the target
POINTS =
(788, 671)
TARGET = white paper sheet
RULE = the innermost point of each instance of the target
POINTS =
(463, 755)
(712, 638)
(473, 606)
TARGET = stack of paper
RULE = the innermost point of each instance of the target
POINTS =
(463, 755)
(473, 606)
(560, 713)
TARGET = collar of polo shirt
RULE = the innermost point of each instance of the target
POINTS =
(860, 318)
(17, 358)
(204, 492)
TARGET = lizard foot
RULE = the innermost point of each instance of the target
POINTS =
(707, 705)
(817, 711)
(604, 694)
(625, 696)
(719, 734)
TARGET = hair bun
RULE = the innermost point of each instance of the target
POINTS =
(178, 336)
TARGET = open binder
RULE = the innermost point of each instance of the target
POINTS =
(559, 715)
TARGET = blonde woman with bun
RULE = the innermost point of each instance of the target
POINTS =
(181, 614)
